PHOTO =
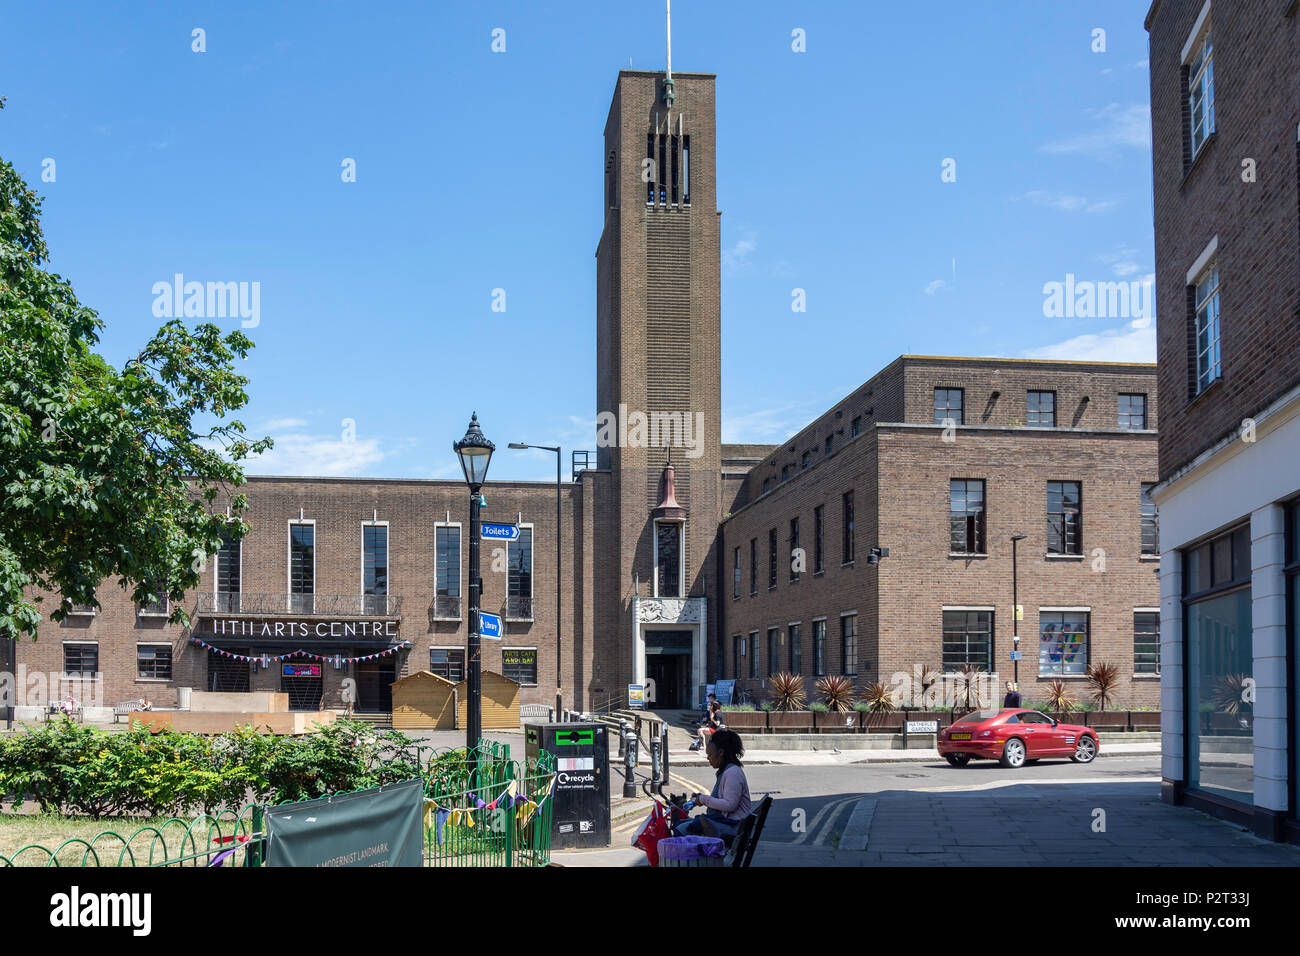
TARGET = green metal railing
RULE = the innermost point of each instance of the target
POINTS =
(494, 812)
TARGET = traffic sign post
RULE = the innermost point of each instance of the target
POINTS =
(489, 625)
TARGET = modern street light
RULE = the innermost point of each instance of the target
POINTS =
(559, 653)
(475, 452)
(1015, 608)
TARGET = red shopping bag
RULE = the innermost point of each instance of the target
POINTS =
(651, 831)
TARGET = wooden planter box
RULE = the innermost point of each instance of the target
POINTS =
(745, 720)
(833, 722)
(1144, 719)
(1106, 719)
(790, 722)
(882, 723)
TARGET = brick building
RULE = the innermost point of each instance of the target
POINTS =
(941, 461)
(1225, 118)
(369, 575)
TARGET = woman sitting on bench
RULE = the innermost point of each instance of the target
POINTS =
(728, 803)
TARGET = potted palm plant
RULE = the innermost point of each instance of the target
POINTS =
(1103, 679)
(880, 715)
(837, 693)
(789, 699)
(1059, 700)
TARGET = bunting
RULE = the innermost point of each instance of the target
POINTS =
(266, 659)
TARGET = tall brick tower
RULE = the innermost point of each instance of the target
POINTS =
(658, 393)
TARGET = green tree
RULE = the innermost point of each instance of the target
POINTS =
(106, 472)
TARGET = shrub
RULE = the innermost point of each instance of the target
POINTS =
(878, 698)
(837, 693)
(819, 708)
(787, 691)
(1103, 679)
(1059, 697)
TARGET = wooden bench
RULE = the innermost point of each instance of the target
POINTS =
(125, 709)
(745, 841)
(56, 710)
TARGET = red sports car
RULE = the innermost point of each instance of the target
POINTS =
(1015, 737)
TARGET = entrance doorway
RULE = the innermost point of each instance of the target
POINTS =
(227, 674)
(668, 664)
(375, 685)
(303, 683)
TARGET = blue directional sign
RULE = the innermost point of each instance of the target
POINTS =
(489, 625)
(500, 532)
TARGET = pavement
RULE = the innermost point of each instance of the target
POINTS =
(1108, 813)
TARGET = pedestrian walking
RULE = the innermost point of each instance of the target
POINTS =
(1013, 696)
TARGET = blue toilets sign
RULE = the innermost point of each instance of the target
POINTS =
(489, 625)
(500, 532)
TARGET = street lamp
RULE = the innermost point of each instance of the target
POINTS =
(475, 452)
(559, 654)
(1015, 609)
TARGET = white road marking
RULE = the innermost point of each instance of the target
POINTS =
(859, 825)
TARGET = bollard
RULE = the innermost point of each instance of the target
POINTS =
(656, 782)
(629, 767)
(622, 737)
(663, 749)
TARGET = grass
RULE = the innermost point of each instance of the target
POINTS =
(18, 830)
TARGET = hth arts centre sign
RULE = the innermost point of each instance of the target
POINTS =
(313, 629)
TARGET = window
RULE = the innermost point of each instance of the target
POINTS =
(81, 659)
(737, 654)
(785, 472)
(1064, 518)
(856, 427)
(1132, 411)
(302, 567)
(1220, 665)
(227, 575)
(948, 404)
(819, 538)
(967, 640)
(830, 445)
(846, 537)
(448, 663)
(1200, 94)
(1146, 642)
(773, 638)
(753, 653)
(153, 661)
(1063, 643)
(1150, 521)
(686, 170)
(966, 516)
(1040, 409)
(735, 573)
(794, 545)
(753, 566)
(519, 664)
(668, 559)
(374, 577)
(1209, 364)
(519, 586)
(819, 647)
(446, 599)
(771, 559)
(849, 643)
(796, 649)
(805, 460)
(161, 606)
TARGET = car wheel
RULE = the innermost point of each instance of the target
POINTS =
(957, 760)
(1085, 751)
(1013, 753)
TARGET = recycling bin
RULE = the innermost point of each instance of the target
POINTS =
(580, 815)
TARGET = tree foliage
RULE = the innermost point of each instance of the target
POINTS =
(104, 472)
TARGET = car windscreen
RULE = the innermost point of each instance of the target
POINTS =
(977, 717)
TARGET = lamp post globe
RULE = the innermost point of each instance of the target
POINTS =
(475, 453)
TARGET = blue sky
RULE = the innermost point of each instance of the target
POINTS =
(478, 171)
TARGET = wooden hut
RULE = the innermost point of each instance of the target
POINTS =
(424, 701)
(500, 702)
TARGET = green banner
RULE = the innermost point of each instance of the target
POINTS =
(379, 827)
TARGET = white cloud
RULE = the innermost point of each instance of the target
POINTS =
(1113, 127)
(1064, 202)
(316, 456)
(938, 285)
(738, 255)
(282, 425)
(1123, 261)
(1134, 342)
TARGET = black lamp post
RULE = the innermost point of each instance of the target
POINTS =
(475, 452)
(1015, 608)
(559, 653)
